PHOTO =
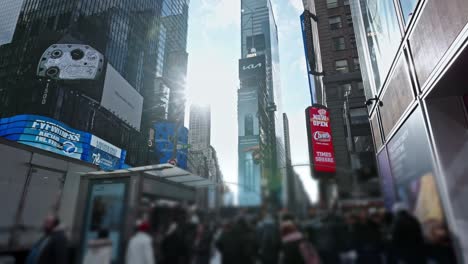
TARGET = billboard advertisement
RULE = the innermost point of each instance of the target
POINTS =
(411, 166)
(252, 67)
(322, 156)
(54, 136)
(121, 98)
(307, 35)
(164, 139)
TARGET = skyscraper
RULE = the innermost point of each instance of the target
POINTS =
(199, 127)
(334, 67)
(261, 149)
(143, 43)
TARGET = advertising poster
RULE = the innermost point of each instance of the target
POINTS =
(252, 67)
(321, 143)
(105, 210)
(386, 178)
(411, 166)
(164, 143)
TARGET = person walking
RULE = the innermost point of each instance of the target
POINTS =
(237, 244)
(407, 243)
(52, 248)
(296, 249)
(140, 250)
(99, 250)
(268, 240)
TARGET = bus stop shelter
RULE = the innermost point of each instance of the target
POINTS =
(114, 200)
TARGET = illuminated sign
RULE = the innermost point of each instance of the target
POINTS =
(321, 143)
(54, 136)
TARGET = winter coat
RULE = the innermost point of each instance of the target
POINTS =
(140, 250)
(291, 249)
(268, 242)
(99, 251)
(237, 246)
(174, 247)
(50, 249)
(407, 239)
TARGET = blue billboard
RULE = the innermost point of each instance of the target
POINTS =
(164, 139)
(54, 136)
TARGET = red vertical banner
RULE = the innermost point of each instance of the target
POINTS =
(321, 145)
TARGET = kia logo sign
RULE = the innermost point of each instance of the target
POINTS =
(252, 66)
(322, 136)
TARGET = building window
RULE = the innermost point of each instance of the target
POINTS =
(349, 19)
(360, 86)
(339, 43)
(358, 116)
(357, 66)
(248, 125)
(335, 22)
(352, 41)
(341, 66)
(332, 3)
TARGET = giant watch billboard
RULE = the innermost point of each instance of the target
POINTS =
(322, 156)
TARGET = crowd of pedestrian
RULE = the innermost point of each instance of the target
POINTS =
(183, 236)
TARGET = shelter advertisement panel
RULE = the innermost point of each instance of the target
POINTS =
(322, 155)
(105, 210)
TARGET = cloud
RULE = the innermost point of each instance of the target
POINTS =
(220, 14)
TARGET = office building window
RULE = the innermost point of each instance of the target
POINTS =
(360, 86)
(352, 41)
(248, 125)
(341, 66)
(357, 66)
(349, 19)
(339, 43)
(335, 22)
(332, 3)
(358, 116)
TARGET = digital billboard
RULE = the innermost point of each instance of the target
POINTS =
(322, 156)
(54, 136)
(121, 98)
(252, 67)
(164, 139)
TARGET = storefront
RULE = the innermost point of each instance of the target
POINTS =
(414, 63)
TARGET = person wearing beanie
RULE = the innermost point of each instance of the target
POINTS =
(296, 249)
(140, 250)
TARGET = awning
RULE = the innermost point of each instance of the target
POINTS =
(165, 171)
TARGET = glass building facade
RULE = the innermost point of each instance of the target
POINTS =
(144, 40)
(414, 56)
(259, 38)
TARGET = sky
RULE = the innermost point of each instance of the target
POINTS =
(214, 50)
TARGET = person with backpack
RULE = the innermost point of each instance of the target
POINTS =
(295, 248)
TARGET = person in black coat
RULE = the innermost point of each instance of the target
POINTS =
(291, 240)
(52, 248)
(407, 238)
(237, 244)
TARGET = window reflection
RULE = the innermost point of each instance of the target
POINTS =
(407, 8)
(383, 35)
